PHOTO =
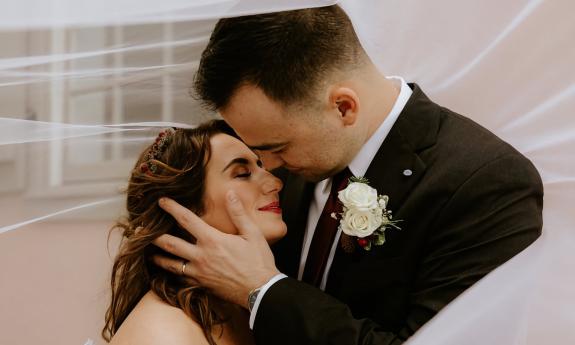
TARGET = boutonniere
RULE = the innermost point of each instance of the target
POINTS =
(364, 218)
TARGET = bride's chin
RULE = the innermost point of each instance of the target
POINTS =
(277, 234)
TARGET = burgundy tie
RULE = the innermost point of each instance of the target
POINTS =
(325, 231)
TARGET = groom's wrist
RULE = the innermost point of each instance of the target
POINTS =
(257, 294)
(256, 282)
(252, 297)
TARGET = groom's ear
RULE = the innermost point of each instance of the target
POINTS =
(347, 103)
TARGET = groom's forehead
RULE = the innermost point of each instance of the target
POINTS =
(265, 134)
(250, 102)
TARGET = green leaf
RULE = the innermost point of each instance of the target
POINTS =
(359, 179)
(380, 240)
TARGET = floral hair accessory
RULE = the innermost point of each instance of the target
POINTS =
(365, 218)
(149, 166)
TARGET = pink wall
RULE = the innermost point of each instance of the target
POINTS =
(44, 297)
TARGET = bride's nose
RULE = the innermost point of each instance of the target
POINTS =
(272, 184)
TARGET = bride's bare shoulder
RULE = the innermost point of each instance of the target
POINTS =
(154, 322)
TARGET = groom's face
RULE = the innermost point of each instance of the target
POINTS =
(307, 142)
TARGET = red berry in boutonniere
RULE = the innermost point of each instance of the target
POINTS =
(362, 242)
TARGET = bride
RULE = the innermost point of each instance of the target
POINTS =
(195, 167)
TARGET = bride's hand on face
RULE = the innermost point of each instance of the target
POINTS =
(229, 265)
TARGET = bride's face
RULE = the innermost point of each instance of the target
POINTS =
(233, 166)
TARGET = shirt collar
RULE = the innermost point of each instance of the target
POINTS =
(362, 160)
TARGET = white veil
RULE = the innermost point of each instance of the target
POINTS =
(84, 85)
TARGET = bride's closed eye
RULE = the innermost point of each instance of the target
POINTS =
(241, 171)
(245, 171)
(244, 174)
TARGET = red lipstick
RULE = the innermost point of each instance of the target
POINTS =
(272, 207)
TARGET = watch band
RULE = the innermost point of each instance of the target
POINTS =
(252, 297)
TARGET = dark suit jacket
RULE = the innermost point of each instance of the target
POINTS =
(471, 204)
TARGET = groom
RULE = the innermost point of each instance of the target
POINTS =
(298, 88)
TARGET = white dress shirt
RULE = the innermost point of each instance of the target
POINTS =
(358, 167)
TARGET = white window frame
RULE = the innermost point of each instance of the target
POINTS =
(103, 178)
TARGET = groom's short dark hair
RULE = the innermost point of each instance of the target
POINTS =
(286, 54)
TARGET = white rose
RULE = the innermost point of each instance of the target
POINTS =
(359, 196)
(383, 200)
(360, 223)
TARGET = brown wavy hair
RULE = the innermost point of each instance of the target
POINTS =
(180, 175)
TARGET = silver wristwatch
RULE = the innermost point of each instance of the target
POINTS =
(252, 297)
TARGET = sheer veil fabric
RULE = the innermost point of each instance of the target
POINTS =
(85, 85)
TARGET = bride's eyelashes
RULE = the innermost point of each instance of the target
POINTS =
(242, 173)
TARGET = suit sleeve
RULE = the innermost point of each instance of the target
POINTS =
(493, 215)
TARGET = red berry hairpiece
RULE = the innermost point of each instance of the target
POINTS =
(148, 166)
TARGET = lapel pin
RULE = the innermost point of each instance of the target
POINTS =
(407, 172)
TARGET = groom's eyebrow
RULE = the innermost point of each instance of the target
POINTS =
(267, 147)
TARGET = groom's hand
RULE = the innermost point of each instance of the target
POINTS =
(228, 265)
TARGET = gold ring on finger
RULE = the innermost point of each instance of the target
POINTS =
(184, 263)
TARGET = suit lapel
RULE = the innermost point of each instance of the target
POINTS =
(397, 168)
